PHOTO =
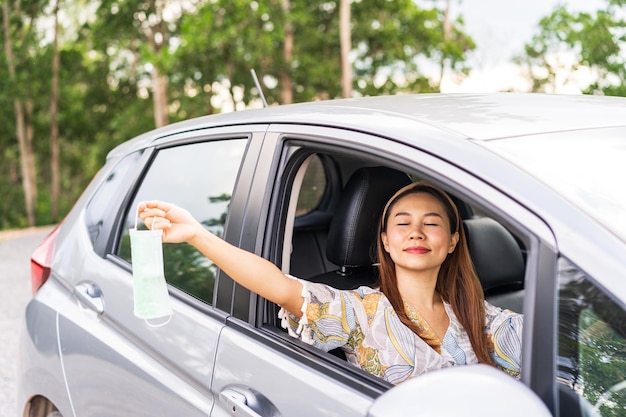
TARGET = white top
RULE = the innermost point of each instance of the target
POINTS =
(364, 324)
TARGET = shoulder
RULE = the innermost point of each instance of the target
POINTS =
(365, 291)
(496, 317)
(491, 310)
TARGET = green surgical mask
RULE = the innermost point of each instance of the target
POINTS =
(151, 297)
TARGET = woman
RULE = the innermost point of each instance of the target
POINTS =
(429, 312)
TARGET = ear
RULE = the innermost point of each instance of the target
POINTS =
(454, 239)
(383, 237)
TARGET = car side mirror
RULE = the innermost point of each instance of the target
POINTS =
(477, 390)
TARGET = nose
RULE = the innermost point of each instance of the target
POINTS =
(416, 233)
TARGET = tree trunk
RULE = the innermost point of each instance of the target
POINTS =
(55, 180)
(157, 37)
(447, 33)
(159, 97)
(30, 153)
(27, 165)
(345, 39)
(286, 83)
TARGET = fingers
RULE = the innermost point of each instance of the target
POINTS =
(155, 204)
(156, 223)
(153, 214)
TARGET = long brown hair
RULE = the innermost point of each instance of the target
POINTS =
(457, 282)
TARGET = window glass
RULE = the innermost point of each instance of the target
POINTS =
(313, 187)
(199, 177)
(592, 346)
(101, 205)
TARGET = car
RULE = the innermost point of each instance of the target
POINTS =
(537, 179)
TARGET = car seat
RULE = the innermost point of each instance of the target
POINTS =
(353, 229)
(498, 260)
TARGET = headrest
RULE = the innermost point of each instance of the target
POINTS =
(496, 255)
(355, 223)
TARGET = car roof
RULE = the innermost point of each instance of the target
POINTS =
(481, 117)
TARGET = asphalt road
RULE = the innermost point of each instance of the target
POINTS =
(15, 250)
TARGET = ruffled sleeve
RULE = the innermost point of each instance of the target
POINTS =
(504, 328)
(328, 317)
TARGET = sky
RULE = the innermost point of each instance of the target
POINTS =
(500, 29)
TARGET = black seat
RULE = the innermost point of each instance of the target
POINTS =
(498, 261)
(353, 229)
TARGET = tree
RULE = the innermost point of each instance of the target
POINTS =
(345, 39)
(397, 41)
(139, 36)
(55, 179)
(569, 44)
(80, 77)
(390, 41)
(22, 103)
(286, 82)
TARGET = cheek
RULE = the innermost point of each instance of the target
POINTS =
(385, 242)
(442, 237)
(393, 241)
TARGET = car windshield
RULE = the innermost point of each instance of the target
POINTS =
(586, 167)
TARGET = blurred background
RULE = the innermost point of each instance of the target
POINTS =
(79, 77)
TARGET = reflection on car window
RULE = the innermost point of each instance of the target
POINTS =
(313, 187)
(592, 345)
(100, 206)
(199, 177)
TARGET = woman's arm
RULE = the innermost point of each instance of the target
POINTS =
(253, 272)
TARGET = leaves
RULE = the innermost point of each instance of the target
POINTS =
(205, 49)
(571, 43)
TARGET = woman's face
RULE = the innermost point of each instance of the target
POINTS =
(418, 236)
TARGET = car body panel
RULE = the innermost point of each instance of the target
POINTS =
(39, 357)
(123, 351)
(279, 380)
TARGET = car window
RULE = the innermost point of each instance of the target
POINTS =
(592, 347)
(201, 178)
(101, 205)
(313, 187)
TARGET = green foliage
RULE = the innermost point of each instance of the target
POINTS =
(570, 42)
(206, 49)
(603, 365)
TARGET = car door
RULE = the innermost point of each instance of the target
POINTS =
(259, 369)
(262, 371)
(118, 364)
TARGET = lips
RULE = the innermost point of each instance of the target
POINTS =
(417, 250)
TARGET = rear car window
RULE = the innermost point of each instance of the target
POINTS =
(199, 177)
(313, 187)
(100, 207)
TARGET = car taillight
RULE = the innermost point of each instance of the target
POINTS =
(41, 260)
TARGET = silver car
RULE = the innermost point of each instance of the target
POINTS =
(539, 180)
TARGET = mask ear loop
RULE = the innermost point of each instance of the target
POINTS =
(137, 219)
(155, 325)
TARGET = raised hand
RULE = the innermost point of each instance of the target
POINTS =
(178, 224)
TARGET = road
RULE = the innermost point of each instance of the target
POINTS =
(15, 250)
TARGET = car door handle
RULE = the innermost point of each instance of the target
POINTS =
(244, 402)
(90, 296)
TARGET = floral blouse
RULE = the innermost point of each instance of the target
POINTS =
(364, 324)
